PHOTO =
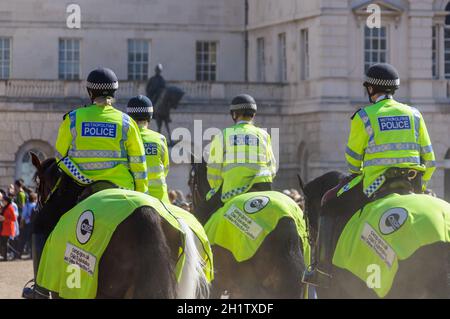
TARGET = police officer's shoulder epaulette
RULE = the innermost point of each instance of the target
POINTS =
(354, 114)
(65, 115)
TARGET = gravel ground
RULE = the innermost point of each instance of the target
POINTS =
(13, 276)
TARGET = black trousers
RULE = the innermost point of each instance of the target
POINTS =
(4, 247)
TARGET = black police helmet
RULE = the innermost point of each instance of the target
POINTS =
(382, 76)
(243, 102)
(102, 82)
(140, 108)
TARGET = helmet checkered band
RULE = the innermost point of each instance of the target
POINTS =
(381, 82)
(243, 106)
(102, 86)
(132, 110)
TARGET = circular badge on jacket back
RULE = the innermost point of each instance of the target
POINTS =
(85, 227)
(255, 204)
(392, 220)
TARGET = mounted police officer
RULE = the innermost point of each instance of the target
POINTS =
(388, 151)
(99, 142)
(95, 143)
(388, 146)
(241, 159)
(140, 108)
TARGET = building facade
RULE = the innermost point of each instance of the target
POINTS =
(303, 60)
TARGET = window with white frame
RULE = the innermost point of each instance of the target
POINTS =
(69, 59)
(5, 57)
(375, 46)
(304, 54)
(206, 61)
(282, 58)
(260, 60)
(138, 59)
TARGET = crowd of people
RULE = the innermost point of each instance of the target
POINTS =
(18, 205)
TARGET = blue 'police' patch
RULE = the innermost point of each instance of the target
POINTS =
(244, 139)
(151, 148)
(389, 123)
(98, 129)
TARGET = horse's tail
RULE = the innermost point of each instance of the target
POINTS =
(156, 274)
(193, 282)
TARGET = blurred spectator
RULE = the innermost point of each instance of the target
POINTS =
(172, 197)
(295, 195)
(7, 219)
(14, 240)
(26, 226)
(20, 196)
(186, 206)
(180, 195)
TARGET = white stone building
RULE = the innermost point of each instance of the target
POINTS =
(304, 61)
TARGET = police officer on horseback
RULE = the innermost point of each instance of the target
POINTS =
(95, 143)
(99, 142)
(140, 108)
(241, 159)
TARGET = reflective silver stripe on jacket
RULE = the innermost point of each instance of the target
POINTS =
(417, 115)
(353, 168)
(157, 182)
(392, 147)
(155, 169)
(366, 120)
(140, 175)
(426, 149)
(392, 161)
(125, 127)
(353, 154)
(92, 166)
(429, 163)
(94, 154)
(137, 159)
(73, 128)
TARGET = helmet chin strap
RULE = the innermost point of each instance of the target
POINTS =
(370, 95)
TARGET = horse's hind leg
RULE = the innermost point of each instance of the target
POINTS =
(282, 262)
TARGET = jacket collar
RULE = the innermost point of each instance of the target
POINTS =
(384, 97)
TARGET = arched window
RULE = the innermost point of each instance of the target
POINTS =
(447, 179)
(24, 167)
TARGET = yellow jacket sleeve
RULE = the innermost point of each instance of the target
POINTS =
(356, 145)
(215, 163)
(64, 139)
(165, 156)
(136, 158)
(426, 152)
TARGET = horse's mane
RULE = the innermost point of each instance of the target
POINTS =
(320, 185)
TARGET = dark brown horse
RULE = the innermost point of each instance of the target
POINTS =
(423, 275)
(273, 272)
(144, 246)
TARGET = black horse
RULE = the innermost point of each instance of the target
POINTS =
(423, 275)
(273, 272)
(144, 246)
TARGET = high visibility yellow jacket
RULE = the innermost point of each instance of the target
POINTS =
(99, 142)
(239, 158)
(157, 154)
(388, 134)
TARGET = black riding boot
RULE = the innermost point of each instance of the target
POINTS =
(36, 292)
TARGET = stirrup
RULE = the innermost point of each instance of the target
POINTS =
(315, 277)
(32, 292)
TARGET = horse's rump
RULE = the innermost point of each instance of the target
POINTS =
(378, 239)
